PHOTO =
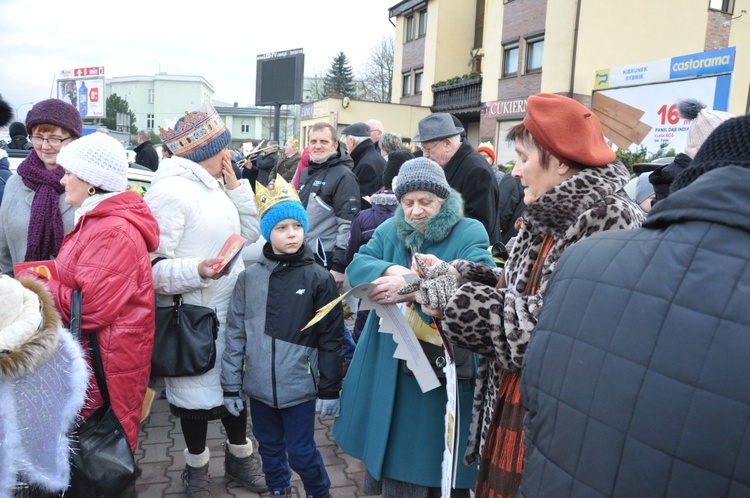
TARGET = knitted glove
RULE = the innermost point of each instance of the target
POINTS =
(328, 407)
(437, 292)
(234, 404)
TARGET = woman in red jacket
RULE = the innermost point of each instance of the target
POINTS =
(106, 256)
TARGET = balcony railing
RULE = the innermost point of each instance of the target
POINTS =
(463, 94)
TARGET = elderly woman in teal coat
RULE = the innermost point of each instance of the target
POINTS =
(386, 420)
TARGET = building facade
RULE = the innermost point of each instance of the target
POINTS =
(159, 100)
(481, 59)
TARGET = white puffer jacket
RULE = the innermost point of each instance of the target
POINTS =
(196, 215)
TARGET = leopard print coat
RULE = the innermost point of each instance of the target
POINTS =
(497, 322)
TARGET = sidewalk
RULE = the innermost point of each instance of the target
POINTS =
(159, 455)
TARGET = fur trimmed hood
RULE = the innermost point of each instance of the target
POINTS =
(439, 227)
(30, 336)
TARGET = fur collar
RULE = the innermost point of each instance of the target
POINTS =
(555, 211)
(36, 345)
(439, 227)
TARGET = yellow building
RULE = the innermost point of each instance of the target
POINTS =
(481, 59)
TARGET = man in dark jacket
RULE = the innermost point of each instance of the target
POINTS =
(18, 140)
(465, 169)
(635, 380)
(368, 163)
(287, 165)
(145, 154)
(329, 191)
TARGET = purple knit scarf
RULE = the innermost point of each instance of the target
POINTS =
(46, 230)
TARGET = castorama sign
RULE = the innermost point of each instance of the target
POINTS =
(684, 66)
(714, 62)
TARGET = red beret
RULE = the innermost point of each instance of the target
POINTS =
(567, 129)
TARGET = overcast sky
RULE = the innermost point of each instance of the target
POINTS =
(216, 39)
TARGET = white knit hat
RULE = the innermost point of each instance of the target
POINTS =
(97, 159)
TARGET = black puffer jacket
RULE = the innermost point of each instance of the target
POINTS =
(635, 379)
(330, 194)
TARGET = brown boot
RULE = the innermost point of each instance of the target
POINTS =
(240, 467)
(195, 475)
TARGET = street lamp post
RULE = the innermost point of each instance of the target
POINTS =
(19, 107)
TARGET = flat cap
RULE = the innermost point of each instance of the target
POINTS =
(357, 130)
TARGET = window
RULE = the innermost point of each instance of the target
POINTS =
(410, 28)
(245, 127)
(510, 60)
(149, 121)
(422, 22)
(418, 77)
(534, 54)
(722, 5)
(406, 89)
(151, 96)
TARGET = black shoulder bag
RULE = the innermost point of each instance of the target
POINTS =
(184, 339)
(102, 464)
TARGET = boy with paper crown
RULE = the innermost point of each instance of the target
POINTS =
(286, 369)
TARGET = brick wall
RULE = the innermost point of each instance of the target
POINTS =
(520, 18)
(717, 30)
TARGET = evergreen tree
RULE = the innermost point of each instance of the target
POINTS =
(340, 77)
(116, 104)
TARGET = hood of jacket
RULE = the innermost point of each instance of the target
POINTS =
(132, 208)
(719, 196)
(177, 166)
(34, 331)
(439, 227)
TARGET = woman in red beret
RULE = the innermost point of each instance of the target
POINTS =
(573, 188)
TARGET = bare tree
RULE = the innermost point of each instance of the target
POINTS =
(315, 87)
(378, 71)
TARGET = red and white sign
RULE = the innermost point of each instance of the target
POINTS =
(82, 72)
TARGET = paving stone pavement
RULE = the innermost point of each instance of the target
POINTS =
(159, 455)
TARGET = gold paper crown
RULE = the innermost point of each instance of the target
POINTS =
(193, 131)
(293, 141)
(276, 193)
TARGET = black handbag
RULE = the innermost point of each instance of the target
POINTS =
(463, 358)
(184, 340)
(102, 464)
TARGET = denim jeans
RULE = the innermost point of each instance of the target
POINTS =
(286, 438)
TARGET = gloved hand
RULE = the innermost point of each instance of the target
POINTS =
(328, 407)
(234, 405)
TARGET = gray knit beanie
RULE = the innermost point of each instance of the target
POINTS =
(421, 173)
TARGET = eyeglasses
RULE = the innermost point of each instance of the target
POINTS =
(53, 142)
(428, 150)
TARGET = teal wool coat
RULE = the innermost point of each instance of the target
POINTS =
(386, 421)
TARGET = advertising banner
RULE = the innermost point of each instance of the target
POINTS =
(86, 95)
(659, 105)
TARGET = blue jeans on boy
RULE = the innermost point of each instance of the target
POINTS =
(286, 438)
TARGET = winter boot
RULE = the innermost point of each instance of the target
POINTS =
(195, 475)
(240, 467)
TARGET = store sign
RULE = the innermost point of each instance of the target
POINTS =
(504, 108)
(684, 66)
